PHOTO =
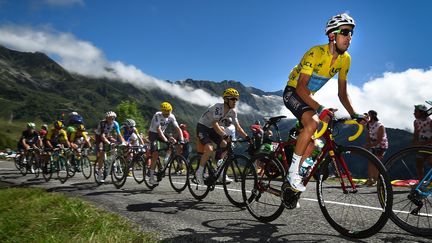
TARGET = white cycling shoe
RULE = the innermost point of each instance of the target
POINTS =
(153, 182)
(296, 182)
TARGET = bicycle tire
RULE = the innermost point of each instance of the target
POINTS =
(119, 172)
(233, 170)
(71, 167)
(17, 160)
(36, 167)
(47, 170)
(401, 165)
(96, 173)
(62, 169)
(359, 212)
(139, 166)
(178, 173)
(86, 167)
(199, 192)
(261, 187)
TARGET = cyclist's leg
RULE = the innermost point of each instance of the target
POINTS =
(309, 121)
(153, 137)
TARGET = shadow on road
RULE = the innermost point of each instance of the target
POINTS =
(230, 230)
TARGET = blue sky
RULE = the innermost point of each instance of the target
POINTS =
(252, 41)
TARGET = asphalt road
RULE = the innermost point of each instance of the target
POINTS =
(178, 217)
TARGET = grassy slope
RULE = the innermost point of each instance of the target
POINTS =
(33, 215)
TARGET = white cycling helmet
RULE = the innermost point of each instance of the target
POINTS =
(111, 114)
(130, 123)
(338, 20)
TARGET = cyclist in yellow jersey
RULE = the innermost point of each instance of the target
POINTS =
(79, 138)
(318, 65)
(56, 136)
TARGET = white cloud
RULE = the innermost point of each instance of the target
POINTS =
(392, 95)
(84, 58)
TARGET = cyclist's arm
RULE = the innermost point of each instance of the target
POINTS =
(180, 133)
(344, 97)
(240, 130)
(161, 134)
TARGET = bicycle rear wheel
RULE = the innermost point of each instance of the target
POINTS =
(139, 166)
(86, 166)
(47, 169)
(119, 172)
(412, 209)
(178, 173)
(261, 188)
(232, 178)
(198, 191)
(360, 211)
(62, 168)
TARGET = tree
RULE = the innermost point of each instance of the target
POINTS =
(129, 110)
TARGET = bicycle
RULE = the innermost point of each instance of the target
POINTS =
(351, 209)
(412, 204)
(114, 164)
(135, 161)
(178, 171)
(231, 167)
(57, 163)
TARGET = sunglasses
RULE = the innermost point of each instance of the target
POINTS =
(232, 99)
(344, 32)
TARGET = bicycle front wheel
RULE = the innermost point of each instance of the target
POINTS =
(353, 208)
(412, 204)
(86, 167)
(178, 173)
(198, 191)
(62, 169)
(261, 188)
(232, 179)
(119, 172)
(139, 166)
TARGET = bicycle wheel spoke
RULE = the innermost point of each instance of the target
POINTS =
(359, 212)
(261, 184)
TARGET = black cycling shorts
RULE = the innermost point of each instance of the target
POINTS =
(294, 103)
(154, 140)
(208, 135)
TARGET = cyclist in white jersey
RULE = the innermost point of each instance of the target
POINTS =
(422, 136)
(158, 125)
(103, 136)
(209, 129)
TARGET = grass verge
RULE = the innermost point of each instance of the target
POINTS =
(33, 215)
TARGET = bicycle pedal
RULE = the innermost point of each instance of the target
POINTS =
(289, 196)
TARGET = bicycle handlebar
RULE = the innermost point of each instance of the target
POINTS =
(360, 128)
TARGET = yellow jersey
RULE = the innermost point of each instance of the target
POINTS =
(316, 62)
(56, 137)
(73, 136)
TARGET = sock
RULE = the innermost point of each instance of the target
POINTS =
(151, 173)
(294, 168)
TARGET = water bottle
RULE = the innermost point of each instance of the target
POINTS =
(305, 169)
(319, 144)
(219, 162)
(167, 156)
